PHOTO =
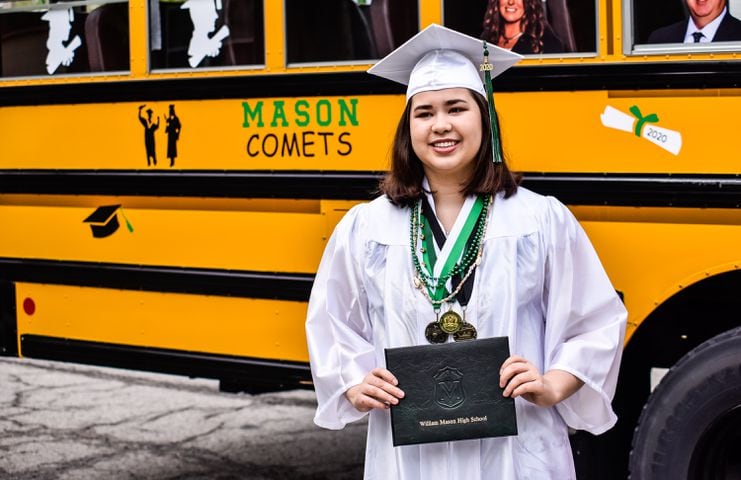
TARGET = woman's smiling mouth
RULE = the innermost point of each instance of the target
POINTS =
(444, 144)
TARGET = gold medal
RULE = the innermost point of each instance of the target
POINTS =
(466, 332)
(434, 334)
(450, 322)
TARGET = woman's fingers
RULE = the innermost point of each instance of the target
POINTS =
(511, 368)
(379, 394)
(518, 377)
(368, 398)
(386, 382)
(512, 359)
(377, 390)
(526, 382)
(384, 375)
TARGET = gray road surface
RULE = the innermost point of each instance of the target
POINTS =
(70, 422)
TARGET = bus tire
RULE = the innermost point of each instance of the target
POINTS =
(690, 427)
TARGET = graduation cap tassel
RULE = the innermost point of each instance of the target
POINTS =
(496, 146)
(128, 224)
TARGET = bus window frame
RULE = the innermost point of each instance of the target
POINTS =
(546, 56)
(40, 9)
(56, 6)
(228, 68)
(631, 49)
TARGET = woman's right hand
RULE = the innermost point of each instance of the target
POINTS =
(377, 390)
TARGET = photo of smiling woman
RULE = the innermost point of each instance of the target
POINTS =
(528, 272)
(520, 26)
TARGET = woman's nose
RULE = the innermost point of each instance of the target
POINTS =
(441, 123)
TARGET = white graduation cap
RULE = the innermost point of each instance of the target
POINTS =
(195, 4)
(57, 16)
(438, 57)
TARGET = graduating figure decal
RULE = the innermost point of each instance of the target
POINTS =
(149, 128)
(59, 29)
(203, 15)
(172, 128)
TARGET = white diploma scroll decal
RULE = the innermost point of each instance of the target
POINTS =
(642, 126)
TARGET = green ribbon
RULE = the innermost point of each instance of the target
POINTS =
(496, 146)
(455, 252)
(651, 117)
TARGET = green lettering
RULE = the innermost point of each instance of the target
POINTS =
(252, 114)
(327, 119)
(345, 111)
(279, 112)
(301, 112)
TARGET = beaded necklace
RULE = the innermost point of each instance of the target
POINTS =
(424, 280)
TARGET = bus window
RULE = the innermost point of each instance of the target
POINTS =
(46, 39)
(687, 24)
(347, 30)
(205, 33)
(550, 26)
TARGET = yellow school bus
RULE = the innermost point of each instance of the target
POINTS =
(170, 171)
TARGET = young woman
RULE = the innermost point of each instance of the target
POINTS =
(520, 26)
(528, 272)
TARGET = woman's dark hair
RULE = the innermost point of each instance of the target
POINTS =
(532, 23)
(402, 184)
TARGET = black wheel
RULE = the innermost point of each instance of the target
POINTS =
(690, 428)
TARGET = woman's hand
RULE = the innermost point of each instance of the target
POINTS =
(378, 390)
(519, 377)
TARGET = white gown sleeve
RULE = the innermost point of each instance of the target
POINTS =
(585, 322)
(338, 330)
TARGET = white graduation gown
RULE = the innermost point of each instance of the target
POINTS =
(540, 283)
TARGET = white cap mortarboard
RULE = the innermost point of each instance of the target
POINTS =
(200, 4)
(56, 16)
(438, 57)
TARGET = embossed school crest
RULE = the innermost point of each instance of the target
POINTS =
(449, 391)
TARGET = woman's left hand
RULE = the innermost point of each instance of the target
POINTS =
(519, 377)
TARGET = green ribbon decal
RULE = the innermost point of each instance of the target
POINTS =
(496, 147)
(651, 117)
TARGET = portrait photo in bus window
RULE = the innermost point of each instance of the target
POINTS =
(347, 30)
(47, 39)
(686, 22)
(191, 34)
(528, 27)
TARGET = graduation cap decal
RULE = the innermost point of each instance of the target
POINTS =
(104, 221)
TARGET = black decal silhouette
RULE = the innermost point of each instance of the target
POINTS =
(104, 221)
(172, 128)
(149, 128)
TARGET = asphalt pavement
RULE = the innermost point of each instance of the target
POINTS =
(69, 422)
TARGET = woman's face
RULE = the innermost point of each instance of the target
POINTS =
(446, 133)
(512, 10)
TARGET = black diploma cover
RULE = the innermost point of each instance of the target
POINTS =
(451, 392)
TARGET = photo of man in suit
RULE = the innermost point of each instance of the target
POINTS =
(709, 21)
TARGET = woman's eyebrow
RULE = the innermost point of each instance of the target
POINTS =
(424, 106)
(452, 101)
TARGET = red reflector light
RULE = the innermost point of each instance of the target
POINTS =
(29, 306)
